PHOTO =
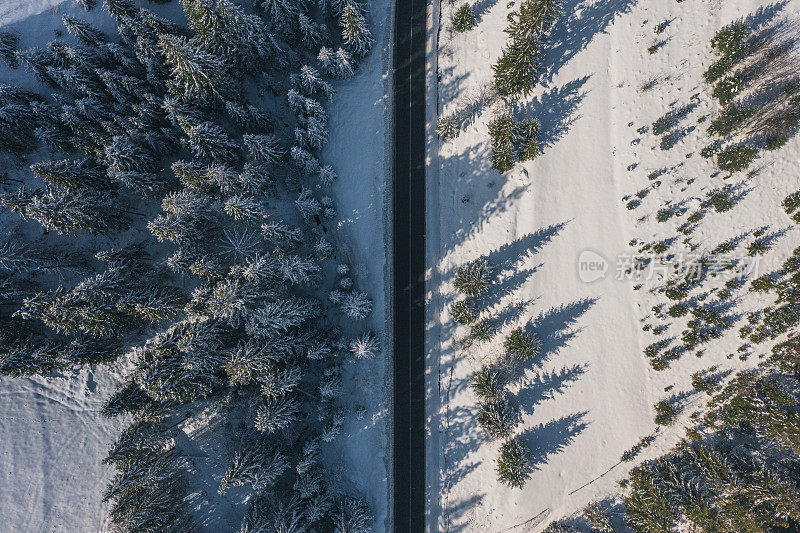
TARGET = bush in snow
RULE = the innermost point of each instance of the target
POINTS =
(666, 413)
(482, 330)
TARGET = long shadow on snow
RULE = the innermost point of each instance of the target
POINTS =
(556, 110)
(572, 32)
(552, 437)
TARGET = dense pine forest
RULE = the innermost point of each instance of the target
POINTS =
(176, 225)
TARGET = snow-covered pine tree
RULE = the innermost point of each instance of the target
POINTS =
(496, 417)
(311, 84)
(197, 73)
(82, 30)
(356, 305)
(513, 465)
(356, 35)
(276, 414)
(8, 49)
(365, 346)
(307, 205)
(312, 34)
(263, 148)
(83, 174)
(65, 211)
(211, 144)
(473, 278)
(255, 465)
(352, 516)
(88, 5)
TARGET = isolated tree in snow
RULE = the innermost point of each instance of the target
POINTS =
(365, 346)
(473, 278)
(521, 345)
(514, 464)
(446, 128)
(464, 18)
(356, 305)
(463, 312)
(496, 417)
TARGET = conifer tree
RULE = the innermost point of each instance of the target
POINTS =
(67, 211)
(473, 278)
(210, 143)
(84, 174)
(196, 72)
(8, 49)
(513, 465)
(263, 148)
(82, 30)
(356, 35)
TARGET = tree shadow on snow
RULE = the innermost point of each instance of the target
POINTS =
(556, 110)
(572, 32)
(552, 437)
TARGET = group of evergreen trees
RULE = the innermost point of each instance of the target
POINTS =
(163, 111)
(517, 69)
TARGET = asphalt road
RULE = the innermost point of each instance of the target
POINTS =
(409, 266)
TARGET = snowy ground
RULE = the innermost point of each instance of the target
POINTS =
(52, 436)
(358, 147)
(592, 397)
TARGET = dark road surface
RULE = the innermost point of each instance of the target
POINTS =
(409, 266)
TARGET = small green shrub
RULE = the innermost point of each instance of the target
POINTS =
(735, 158)
(463, 312)
(757, 247)
(521, 345)
(514, 463)
(677, 310)
(666, 413)
(482, 330)
(664, 214)
(473, 278)
(664, 124)
(464, 19)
